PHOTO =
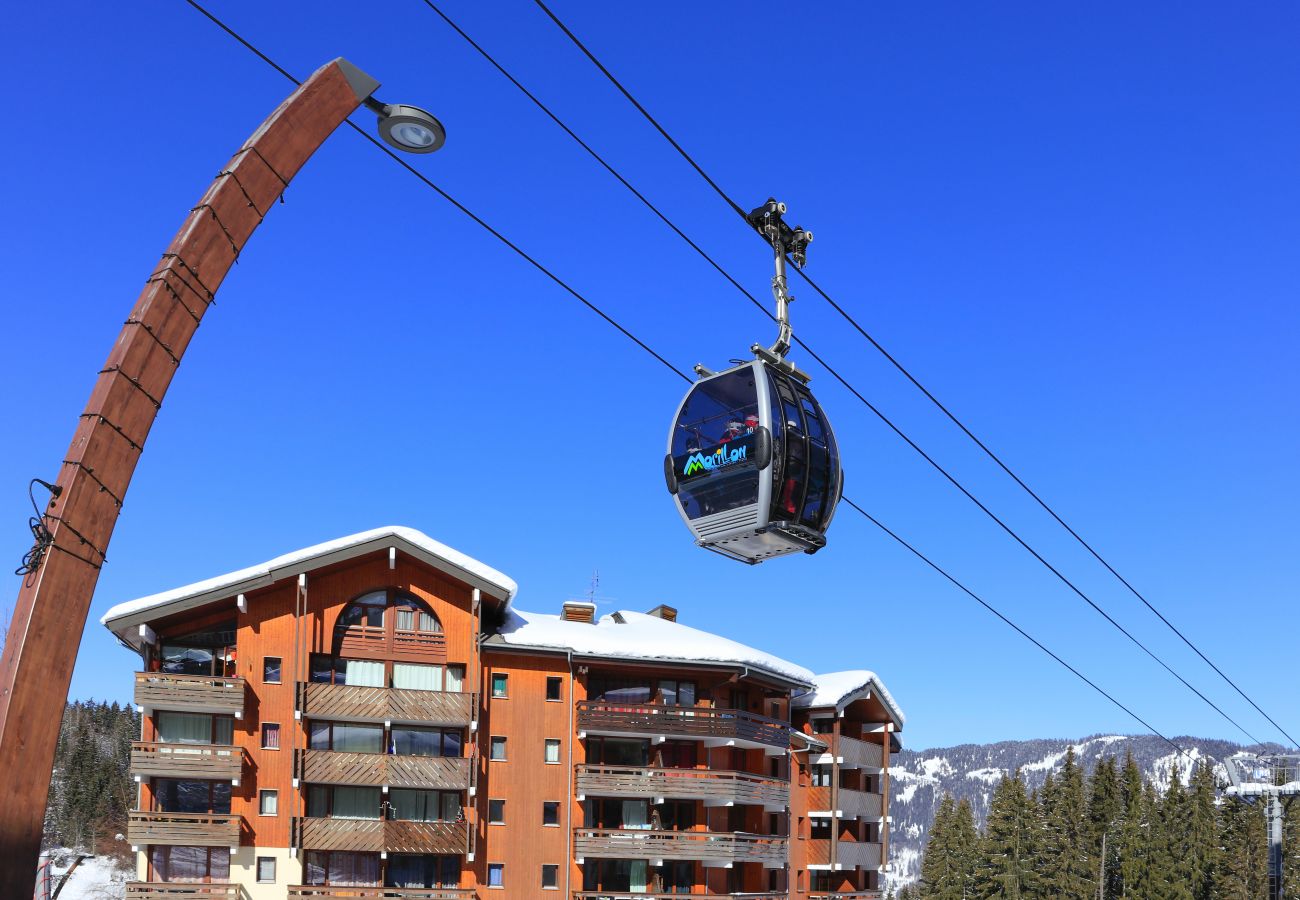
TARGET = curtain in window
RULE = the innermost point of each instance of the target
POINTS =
(185, 728)
(634, 814)
(411, 741)
(456, 679)
(552, 751)
(190, 863)
(358, 738)
(224, 731)
(416, 678)
(450, 807)
(356, 803)
(410, 872)
(364, 673)
(315, 868)
(356, 869)
(318, 806)
(414, 806)
(405, 622)
(638, 876)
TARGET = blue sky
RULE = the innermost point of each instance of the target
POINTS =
(1076, 225)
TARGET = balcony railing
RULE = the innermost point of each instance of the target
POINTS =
(703, 845)
(381, 835)
(720, 787)
(312, 892)
(846, 895)
(847, 803)
(190, 693)
(332, 767)
(184, 829)
(154, 759)
(377, 704)
(627, 895)
(846, 854)
(174, 890)
(719, 725)
(856, 754)
(401, 645)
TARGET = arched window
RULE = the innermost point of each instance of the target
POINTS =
(389, 624)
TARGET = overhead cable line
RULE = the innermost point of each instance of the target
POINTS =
(752, 299)
(224, 27)
(884, 352)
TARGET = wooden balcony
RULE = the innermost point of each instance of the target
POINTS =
(846, 895)
(715, 788)
(347, 702)
(190, 693)
(854, 753)
(370, 642)
(381, 835)
(174, 890)
(845, 803)
(153, 759)
(625, 895)
(733, 847)
(716, 727)
(185, 829)
(845, 854)
(330, 767)
(312, 892)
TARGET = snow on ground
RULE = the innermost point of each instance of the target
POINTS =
(988, 776)
(96, 878)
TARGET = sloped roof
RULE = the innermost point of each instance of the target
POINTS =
(124, 616)
(633, 635)
(839, 689)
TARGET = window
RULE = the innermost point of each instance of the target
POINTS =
(270, 736)
(455, 682)
(324, 801)
(189, 863)
(499, 681)
(496, 875)
(207, 652)
(339, 867)
(268, 803)
(554, 685)
(413, 677)
(424, 806)
(410, 740)
(821, 776)
(551, 812)
(175, 796)
(346, 737)
(266, 870)
(271, 674)
(552, 750)
(496, 812)
(618, 751)
(550, 877)
(823, 726)
(498, 752)
(194, 728)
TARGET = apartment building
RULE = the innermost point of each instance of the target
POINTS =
(373, 718)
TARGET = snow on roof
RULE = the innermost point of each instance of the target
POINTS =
(839, 689)
(409, 540)
(638, 636)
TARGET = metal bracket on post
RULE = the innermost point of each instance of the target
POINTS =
(1269, 777)
(786, 241)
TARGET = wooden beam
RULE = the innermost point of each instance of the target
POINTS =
(50, 612)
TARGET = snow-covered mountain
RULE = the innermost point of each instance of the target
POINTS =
(920, 778)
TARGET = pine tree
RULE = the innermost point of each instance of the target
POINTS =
(1105, 816)
(1134, 831)
(1202, 831)
(949, 855)
(1242, 872)
(1171, 853)
(1067, 862)
(1291, 848)
(1005, 860)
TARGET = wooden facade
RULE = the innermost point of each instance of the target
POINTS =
(556, 786)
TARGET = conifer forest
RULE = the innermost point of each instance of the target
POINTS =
(92, 788)
(1104, 834)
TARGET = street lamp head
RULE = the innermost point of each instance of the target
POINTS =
(409, 128)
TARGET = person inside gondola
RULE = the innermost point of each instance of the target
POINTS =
(735, 429)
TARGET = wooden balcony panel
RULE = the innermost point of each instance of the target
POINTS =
(860, 804)
(189, 693)
(858, 754)
(683, 784)
(819, 798)
(705, 723)
(626, 895)
(333, 767)
(445, 772)
(382, 835)
(154, 759)
(702, 845)
(847, 895)
(184, 829)
(858, 855)
(819, 852)
(174, 890)
(367, 642)
(313, 892)
(377, 704)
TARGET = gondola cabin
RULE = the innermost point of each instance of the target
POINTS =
(753, 464)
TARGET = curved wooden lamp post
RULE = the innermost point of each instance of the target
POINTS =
(50, 613)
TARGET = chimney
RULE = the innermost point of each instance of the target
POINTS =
(665, 612)
(578, 611)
